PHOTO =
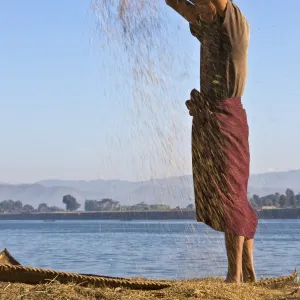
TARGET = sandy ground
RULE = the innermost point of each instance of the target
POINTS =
(208, 288)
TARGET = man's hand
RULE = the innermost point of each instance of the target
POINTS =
(220, 6)
(185, 8)
(205, 6)
(192, 103)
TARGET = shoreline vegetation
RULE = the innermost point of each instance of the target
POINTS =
(273, 206)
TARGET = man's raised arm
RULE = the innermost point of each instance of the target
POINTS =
(185, 8)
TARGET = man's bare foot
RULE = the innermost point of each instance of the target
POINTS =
(232, 280)
(249, 275)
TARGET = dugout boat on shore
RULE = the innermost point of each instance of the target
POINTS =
(11, 270)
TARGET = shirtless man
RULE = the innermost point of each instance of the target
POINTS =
(220, 149)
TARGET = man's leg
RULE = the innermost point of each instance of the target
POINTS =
(247, 261)
(234, 247)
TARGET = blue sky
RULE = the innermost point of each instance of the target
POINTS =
(63, 117)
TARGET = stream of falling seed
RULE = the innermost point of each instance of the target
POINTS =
(138, 37)
(137, 34)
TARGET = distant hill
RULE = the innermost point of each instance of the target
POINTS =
(276, 181)
(173, 191)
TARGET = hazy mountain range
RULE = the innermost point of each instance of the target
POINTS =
(174, 191)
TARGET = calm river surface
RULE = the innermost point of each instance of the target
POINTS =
(153, 249)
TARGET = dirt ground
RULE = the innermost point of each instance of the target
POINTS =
(208, 288)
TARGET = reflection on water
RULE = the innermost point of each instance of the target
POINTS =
(153, 249)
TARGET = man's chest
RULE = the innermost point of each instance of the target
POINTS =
(214, 47)
(214, 57)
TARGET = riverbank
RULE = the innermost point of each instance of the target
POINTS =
(209, 289)
(139, 215)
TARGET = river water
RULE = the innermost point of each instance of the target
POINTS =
(152, 249)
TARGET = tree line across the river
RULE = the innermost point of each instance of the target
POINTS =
(90, 205)
(287, 200)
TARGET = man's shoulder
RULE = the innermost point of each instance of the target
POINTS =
(235, 23)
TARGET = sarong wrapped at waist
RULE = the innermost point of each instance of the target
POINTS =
(220, 155)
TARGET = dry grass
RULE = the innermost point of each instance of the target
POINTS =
(208, 288)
